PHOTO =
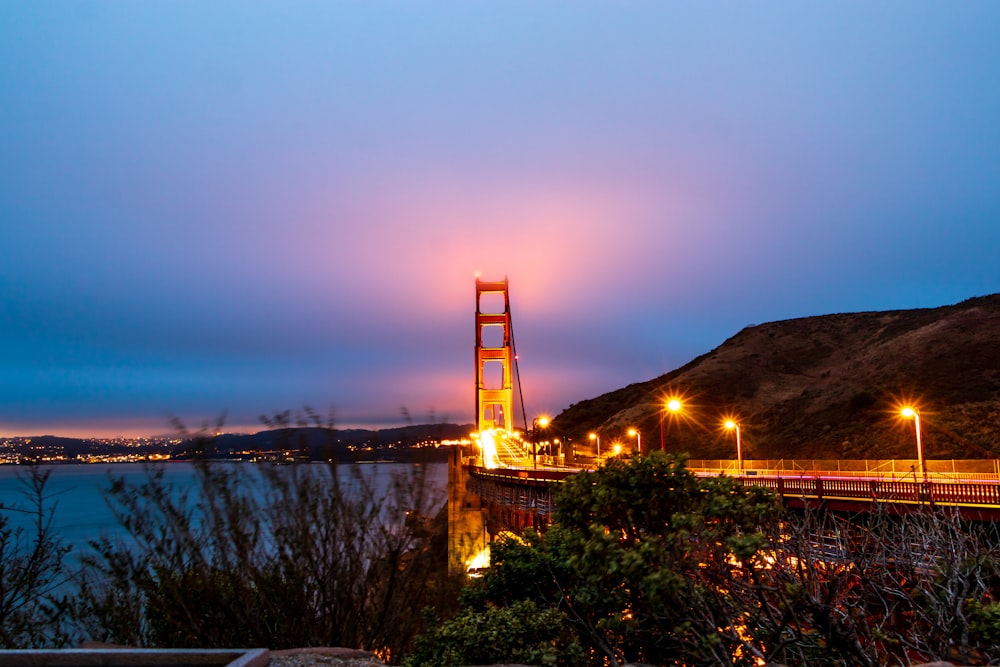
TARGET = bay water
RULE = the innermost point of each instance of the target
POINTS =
(75, 492)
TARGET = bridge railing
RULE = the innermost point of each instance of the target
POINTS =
(884, 490)
(980, 470)
(530, 490)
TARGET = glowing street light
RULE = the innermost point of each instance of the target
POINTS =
(909, 412)
(633, 433)
(674, 405)
(730, 424)
(594, 436)
(536, 423)
(617, 448)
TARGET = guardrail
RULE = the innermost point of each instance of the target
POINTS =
(937, 469)
(971, 494)
(531, 476)
(529, 490)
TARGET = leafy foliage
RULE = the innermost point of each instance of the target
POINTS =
(645, 562)
(521, 633)
(641, 560)
(655, 551)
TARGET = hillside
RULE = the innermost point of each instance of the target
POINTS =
(320, 444)
(825, 387)
(405, 443)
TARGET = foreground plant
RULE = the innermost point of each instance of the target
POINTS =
(275, 556)
(32, 572)
(647, 562)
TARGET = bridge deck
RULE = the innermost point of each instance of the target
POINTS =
(529, 490)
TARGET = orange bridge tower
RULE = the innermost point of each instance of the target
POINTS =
(494, 357)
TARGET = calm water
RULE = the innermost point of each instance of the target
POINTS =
(81, 513)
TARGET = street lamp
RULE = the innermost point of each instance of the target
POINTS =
(674, 405)
(617, 448)
(536, 423)
(730, 424)
(638, 439)
(908, 412)
(594, 436)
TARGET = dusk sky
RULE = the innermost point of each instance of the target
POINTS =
(236, 208)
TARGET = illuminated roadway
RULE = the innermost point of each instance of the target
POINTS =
(528, 489)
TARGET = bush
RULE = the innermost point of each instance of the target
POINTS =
(639, 565)
(32, 574)
(521, 633)
(267, 556)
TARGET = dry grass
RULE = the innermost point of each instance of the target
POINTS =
(827, 387)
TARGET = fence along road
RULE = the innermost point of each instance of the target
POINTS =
(522, 497)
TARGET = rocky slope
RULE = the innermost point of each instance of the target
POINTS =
(824, 387)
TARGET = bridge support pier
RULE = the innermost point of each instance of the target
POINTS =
(468, 541)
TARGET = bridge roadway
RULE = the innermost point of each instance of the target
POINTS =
(522, 496)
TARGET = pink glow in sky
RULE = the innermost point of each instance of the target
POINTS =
(244, 207)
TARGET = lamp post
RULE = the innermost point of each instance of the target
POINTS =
(674, 406)
(594, 436)
(536, 423)
(908, 412)
(638, 439)
(731, 425)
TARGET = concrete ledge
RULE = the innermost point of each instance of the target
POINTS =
(137, 657)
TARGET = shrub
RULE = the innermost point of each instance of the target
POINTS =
(32, 572)
(521, 633)
(297, 555)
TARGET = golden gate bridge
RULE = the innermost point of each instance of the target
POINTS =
(502, 478)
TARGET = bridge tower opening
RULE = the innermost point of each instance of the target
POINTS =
(494, 352)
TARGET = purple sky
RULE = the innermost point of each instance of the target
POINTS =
(243, 207)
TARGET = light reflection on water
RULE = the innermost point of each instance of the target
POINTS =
(75, 491)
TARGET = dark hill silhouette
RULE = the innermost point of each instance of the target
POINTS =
(825, 387)
(319, 444)
(70, 447)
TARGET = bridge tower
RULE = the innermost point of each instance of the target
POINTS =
(494, 359)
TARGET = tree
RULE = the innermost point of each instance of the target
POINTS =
(656, 551)
(641, 561)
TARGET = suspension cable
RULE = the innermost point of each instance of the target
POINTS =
(517, 372)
